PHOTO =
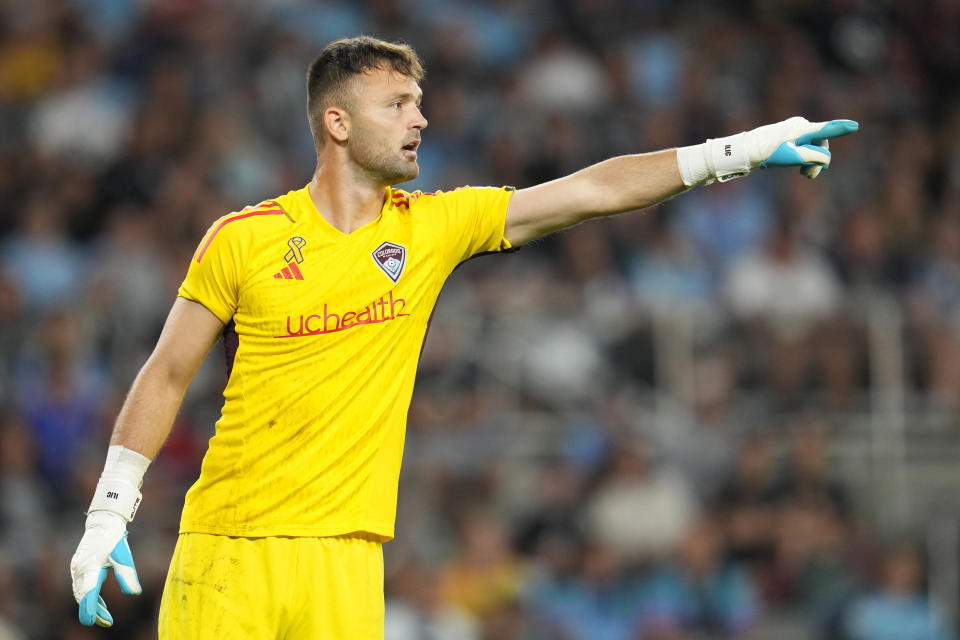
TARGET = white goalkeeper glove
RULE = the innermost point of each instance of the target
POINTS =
(104, 542)
(791, 143)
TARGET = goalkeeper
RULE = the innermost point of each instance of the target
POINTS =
(323, 295)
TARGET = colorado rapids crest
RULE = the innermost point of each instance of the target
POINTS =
(391, 259)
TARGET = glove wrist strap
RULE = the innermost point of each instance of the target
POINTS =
(728, 157)
(716, 159)
(118, 490)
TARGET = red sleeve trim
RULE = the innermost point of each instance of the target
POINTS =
(268, 212)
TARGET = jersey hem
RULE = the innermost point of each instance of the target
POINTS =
(385, 532)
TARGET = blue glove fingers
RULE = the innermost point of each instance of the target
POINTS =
(822, 150)
(786, 155)
(833, 129)
(124, 569)
(816, 147)
(92, 608)
(104, 619)
(783, 156)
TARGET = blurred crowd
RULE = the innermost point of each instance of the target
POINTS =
(749, 311)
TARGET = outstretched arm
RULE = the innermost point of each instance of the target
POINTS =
(633, 182)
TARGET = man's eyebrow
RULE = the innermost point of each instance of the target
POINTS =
(404, 95)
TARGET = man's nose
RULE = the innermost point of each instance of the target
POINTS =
(420, 122)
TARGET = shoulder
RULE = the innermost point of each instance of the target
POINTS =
(267, 213)
(452, 198)
(468, 191)
(244, 226)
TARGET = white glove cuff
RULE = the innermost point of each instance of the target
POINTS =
(693, 166)
(716, 159)
(118, 490)
(729, 157)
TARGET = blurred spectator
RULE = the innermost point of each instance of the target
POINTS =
(863, 264)
(702, 439)
(600, 601)
(786, 286)
(128, 283)
(30, 56)
(43, 262)
(564, 363)
(669, 275)
(639, 509)
(553, 525)
(784, 293)
(510, 621)
(85, 119)
(748, 504)
(8, 602)
(814, 571)
(416, 609)
(699, 594)
(494, 35)
(808, 480)
(935, 302)
(61, 398)
(730, 221)
(12, 334)
(26, 505)
(656, 63)
(485, 574)
(898, 609)
(563, 77)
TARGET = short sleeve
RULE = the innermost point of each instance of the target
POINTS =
(475, 220)
(213, 278)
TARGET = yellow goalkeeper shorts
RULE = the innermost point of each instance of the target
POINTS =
(221, 587)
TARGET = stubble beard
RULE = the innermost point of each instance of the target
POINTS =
(379, 164)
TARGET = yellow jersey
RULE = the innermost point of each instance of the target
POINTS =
(327, 329)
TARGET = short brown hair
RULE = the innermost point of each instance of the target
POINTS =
(344, 59)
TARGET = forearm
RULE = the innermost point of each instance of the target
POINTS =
(148, 412)
(624, 183)
(154, 398)
(627, 183)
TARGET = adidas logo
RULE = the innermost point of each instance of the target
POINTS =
(289, 272)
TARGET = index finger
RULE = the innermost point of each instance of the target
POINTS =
(832, 129)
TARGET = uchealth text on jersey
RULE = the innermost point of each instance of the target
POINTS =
(383, 310)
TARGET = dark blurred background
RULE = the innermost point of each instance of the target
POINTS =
(732, 416)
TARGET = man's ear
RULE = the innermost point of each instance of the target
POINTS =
(336, 120)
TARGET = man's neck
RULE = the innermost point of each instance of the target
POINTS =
(347, 202)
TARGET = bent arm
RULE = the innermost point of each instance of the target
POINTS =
(155, 396)
(613, 186)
